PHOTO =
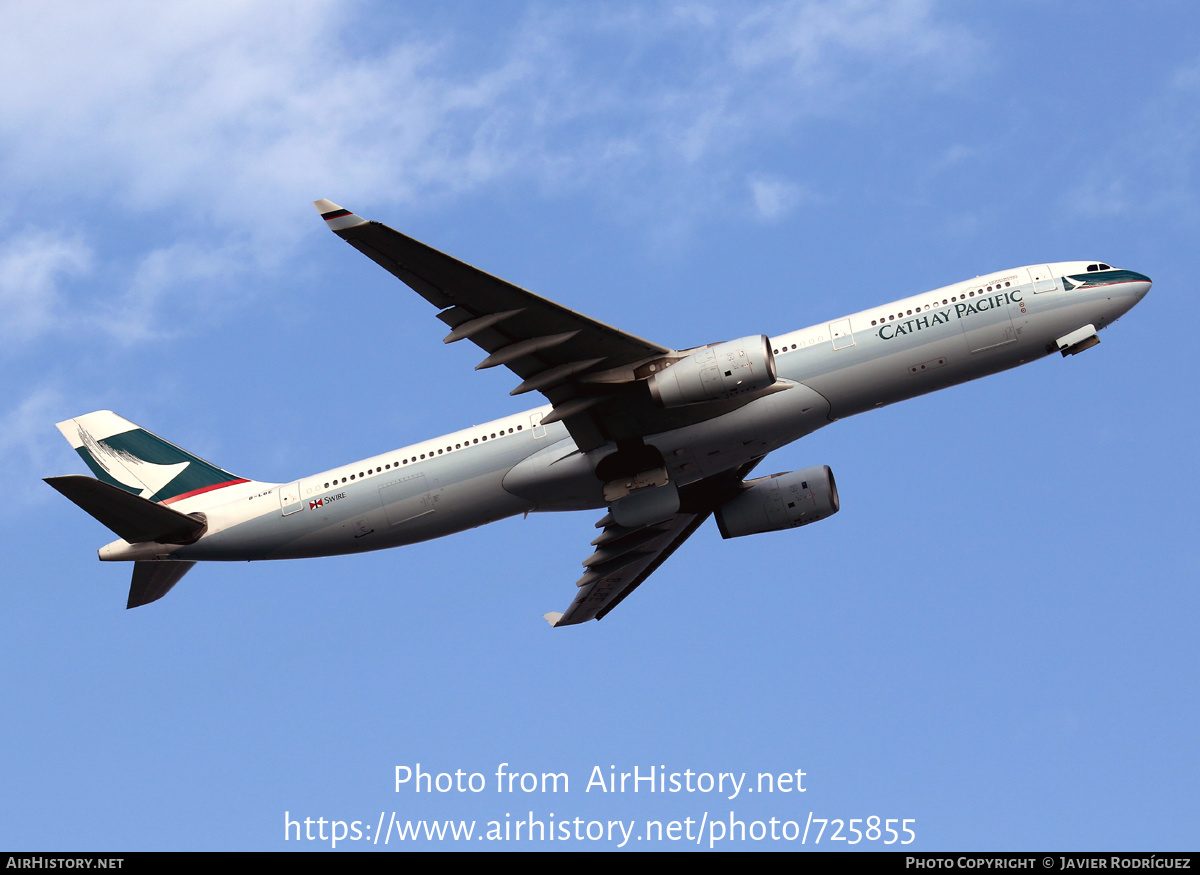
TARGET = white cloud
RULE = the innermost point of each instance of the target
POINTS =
(774, 198)
(197, 278)
(25, 444)
(224, 106)
(1098, 196)
(1150, 164)
(43, 276)
(218, 105)
(838, 48)
(222, 120)
(33, 265)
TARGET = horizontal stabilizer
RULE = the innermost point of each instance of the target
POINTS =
(153, 580)
(130, 516)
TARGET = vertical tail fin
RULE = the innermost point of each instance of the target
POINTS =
(129, 457)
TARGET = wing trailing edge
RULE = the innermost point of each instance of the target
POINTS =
(551, 348)
(623, 559)
(626, 555)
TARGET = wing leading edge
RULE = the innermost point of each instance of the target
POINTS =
(550, 347)
(593, 375)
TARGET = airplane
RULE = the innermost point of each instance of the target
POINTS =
(658, 438)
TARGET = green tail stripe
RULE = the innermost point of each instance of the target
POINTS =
(142, 445)
(103, 475)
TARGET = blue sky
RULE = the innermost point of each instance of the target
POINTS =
(996, 635)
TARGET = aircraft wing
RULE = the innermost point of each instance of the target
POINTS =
(625, 557)
(548, 346)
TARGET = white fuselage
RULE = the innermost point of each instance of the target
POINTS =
(515, 465)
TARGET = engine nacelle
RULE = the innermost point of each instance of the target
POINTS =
(781, 501)
(715, 373)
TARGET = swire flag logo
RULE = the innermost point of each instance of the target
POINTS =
(313, 505)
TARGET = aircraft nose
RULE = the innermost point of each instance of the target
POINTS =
(1133, 287)
(1143, 282)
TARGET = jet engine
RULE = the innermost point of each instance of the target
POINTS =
(715, 373)
(781, 501)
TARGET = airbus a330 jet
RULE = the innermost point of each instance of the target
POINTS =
(657, 438)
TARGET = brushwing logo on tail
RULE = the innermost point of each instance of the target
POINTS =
(127, 456)
(137, 475)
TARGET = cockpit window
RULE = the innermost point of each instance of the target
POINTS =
(1093, 267)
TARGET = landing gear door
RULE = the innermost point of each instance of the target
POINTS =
(289, 498)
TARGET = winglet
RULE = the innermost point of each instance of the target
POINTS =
(553, 617)
(337, 218)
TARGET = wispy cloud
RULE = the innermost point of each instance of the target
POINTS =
(822, 39)
(33, 265)
(1152, 162)
(219, 122)
(774, 198)
(224, 106)
(23, 440)
(168, 286)
(221, 107)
